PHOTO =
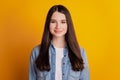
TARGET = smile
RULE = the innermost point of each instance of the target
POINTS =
(58, 31)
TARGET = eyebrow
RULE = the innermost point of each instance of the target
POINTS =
(61, 20)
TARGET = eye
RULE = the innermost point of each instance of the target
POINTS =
(52, 21)
(63, 22)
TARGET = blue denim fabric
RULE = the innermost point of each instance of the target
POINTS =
(67, 72)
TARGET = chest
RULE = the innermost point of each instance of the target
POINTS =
(67, 72)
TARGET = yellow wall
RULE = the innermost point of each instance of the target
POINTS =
(97, 25)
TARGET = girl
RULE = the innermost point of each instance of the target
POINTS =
(59, 56)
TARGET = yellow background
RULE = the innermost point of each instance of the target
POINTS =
(97, 26)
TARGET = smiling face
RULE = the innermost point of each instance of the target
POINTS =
(58, 24)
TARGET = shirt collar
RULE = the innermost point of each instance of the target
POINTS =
(51, 45)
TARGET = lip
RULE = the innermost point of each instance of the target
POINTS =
(58, 31)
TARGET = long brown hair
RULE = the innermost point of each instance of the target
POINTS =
(42, 62)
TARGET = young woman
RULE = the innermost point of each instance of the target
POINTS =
(59, 56)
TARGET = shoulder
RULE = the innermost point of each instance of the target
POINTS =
(35, 52)
(84, 56)
(82, 50)
(36, 48)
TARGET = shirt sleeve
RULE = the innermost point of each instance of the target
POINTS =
(32, 71)
(85, 75)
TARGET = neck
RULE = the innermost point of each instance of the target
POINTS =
(59, 42)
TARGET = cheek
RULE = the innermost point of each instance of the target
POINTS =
(66, 28)
(51, 28)
(52, 25)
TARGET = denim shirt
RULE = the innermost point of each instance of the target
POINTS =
(67, 72)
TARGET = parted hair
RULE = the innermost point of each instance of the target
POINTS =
(74, 53)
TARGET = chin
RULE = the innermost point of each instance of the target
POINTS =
(59, 35)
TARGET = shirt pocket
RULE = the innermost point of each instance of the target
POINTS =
(74, 75)
(41, 75)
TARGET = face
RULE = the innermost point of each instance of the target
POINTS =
(58, 24)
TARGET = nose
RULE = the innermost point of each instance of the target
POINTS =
(58, 25)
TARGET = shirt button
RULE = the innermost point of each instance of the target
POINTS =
(63, 63)
(63, 74)
(64, 55)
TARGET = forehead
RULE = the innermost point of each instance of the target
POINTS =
(58, 15)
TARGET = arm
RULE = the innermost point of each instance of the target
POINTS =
(32, 72)
(85, 75)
